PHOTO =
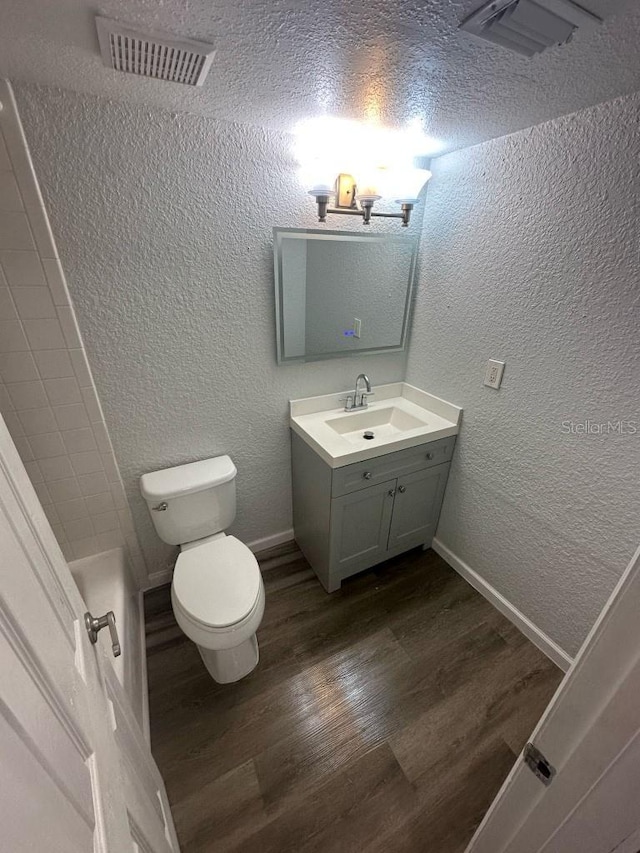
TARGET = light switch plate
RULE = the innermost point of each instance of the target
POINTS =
(493, 374)
(357, 327)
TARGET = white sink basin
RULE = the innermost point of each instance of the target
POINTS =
(381, 423)
(401, 416)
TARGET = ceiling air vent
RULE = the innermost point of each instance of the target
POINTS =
(160, 56)
(528, 26)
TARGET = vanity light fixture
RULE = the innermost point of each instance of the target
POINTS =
(356, 164)
(352, 200)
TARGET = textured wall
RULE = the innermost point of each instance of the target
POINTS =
(47, 395)
(531, 254)
(164, 224)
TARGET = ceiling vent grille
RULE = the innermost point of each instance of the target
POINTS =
(528, 26)
(161, 56)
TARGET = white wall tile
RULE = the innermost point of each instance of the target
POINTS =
(126, 520)
(118, 495)
(79, 440)
(7, 305)
(42, 492)
(85, 547)
(63, 392)
(13, 425)
(112, 539)
(5, 400)
(54, 364)
(87, 463)
(10, 198)
(72, 510)
(46, 390)
(105, 522)
(71, 417)
(44, 334)
(41, 230)
(97, 504)
(34, 302)
(27, 395)
(17, 367)
(15, 232)
(12, 338)
(34, 472)
(47, 445)
(52, 513)
(110, 468)
(80, 367)
(91, 404)
(36, 421)
(81, 528)
(102, 437)
(58, 532)
(58, 468)
(69, 327)
(56, 281)
(23, 447)
(22, 269)
(67, 550)
(93, 484)
(5, 163)
(64, 490)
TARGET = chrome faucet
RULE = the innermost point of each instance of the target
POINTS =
(358, 400)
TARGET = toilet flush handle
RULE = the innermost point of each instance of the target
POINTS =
(161, 507)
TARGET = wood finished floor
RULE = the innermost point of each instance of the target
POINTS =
(383, 717)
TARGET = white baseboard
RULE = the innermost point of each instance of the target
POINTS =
(271, 541)
(532, 632)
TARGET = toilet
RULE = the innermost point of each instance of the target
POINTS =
(217, 591)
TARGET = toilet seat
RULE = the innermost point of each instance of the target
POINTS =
(217, 585)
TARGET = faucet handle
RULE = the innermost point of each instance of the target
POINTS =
(348, 401)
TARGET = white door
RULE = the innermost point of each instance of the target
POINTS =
(75, 772)
(590, 735)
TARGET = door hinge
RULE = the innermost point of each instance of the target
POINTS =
(536, 762)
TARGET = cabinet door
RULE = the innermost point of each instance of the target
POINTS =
(360, 528)
(417, 508)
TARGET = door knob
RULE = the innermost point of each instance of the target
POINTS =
(94, 625)
(402, 489)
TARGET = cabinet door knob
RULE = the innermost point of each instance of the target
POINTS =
(402, 489)
(391, 492)
(429, 455)
(367, 475)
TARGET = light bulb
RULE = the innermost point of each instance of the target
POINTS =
(407, 184)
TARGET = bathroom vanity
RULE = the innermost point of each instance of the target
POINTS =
(368, 484)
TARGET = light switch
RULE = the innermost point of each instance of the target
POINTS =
(493, 375)
(357, 325)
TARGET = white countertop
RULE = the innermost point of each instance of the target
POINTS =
(417, 417)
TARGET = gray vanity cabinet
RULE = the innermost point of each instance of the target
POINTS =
(360, 528)
(348, 519)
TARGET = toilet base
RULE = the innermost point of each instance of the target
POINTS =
(228, 665)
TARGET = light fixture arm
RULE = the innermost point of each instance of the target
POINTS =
(365, 212)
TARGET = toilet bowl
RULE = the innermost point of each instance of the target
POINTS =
(217, 595)
(217, 591)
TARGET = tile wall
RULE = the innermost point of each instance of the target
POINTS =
(47, 396)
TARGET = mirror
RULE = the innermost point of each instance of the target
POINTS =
(341, 293)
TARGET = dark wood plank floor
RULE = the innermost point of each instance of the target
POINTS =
(383, 717)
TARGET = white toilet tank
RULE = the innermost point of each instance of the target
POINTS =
(191, 501)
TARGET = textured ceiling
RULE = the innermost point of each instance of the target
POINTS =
(279, 61)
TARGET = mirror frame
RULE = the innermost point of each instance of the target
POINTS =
(280, 233)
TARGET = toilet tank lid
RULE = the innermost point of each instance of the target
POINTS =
(186, 479)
